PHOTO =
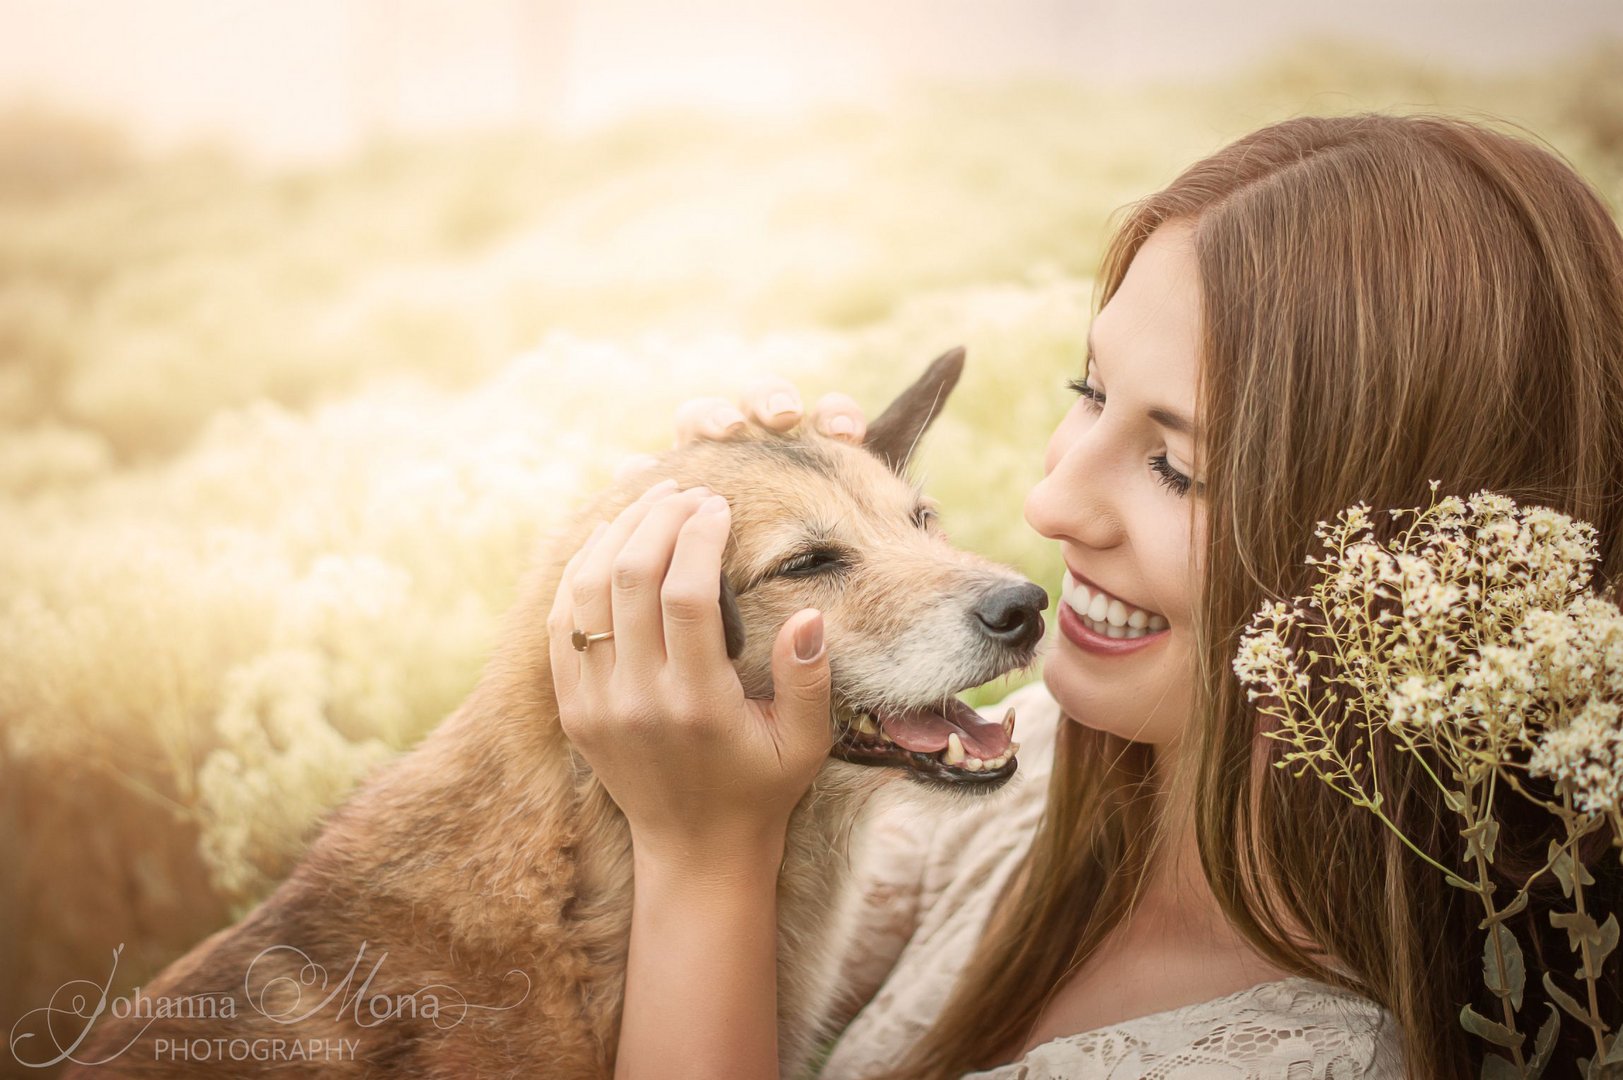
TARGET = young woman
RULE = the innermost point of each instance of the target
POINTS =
(1325, 311)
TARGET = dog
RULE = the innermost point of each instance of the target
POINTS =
(466, 913)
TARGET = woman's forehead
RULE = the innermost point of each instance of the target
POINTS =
(1146, 340)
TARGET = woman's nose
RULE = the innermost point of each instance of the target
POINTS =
(1070, 502)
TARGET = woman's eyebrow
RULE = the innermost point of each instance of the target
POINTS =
(1172, 421)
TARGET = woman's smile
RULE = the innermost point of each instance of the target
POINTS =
(1094, 621)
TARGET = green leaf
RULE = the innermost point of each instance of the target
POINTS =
(1565, 1000)
(1480, 837)
(1580, 927)
(1495, 1067)
(1614, 1052)
(1608, 942)
(1515, 907)
(1565, 865)
(1562, 865)
(1461, 883)
(1544, 1043)
(1510, 949)
(1481, 1026)
(1455, 800)
(1597, 1069)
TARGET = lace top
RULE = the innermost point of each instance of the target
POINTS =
(929, 882)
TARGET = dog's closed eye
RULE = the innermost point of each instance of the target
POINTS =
(812, 563)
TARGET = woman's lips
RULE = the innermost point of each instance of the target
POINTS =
(1078, 634)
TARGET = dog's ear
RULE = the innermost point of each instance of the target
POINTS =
(893, 436)
(732, 623)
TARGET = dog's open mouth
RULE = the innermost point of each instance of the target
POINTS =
(951, 743)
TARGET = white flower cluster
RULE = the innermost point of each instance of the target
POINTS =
(1472, 630)
(1587, 754)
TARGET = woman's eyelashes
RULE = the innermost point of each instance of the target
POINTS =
(1172, 478)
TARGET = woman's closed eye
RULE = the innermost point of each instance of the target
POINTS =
(1170, 477)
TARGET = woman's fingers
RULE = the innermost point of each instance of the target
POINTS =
(691, 598)
(637, 578)
(590, 591)
(839, 415)
(561, 626)
(707, 418)
(773, 402)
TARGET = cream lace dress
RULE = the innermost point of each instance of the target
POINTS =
(928, 885)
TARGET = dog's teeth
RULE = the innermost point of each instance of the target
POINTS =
(884, 737)
(866, 725)
(975, 764)
(955, 750)
(1008, 723)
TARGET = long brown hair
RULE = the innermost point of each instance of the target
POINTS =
(1387, 300)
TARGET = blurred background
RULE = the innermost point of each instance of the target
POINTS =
(317, 315)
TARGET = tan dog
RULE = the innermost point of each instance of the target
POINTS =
(467, 912)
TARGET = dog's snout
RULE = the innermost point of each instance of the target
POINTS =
(1010, 614)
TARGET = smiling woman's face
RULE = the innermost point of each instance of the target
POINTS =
(1112, 495)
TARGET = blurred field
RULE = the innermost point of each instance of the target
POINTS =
(276, 446)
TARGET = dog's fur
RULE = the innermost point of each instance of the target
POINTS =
(490, 866)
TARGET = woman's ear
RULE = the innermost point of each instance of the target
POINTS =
(732, 624)
(893, 436)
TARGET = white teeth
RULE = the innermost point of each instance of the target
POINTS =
(955, 750)
(1114, 631)
(866, 725)
(1008, 723)
(974, 764)
(1105, 610)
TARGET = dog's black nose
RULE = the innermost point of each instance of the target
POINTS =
(1009, 614)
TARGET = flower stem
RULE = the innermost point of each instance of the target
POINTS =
(1596, 1025)
(1485, 890)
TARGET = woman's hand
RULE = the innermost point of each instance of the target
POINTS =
(773, 403)
(704, 776)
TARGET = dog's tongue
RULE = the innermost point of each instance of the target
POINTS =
(926, 730)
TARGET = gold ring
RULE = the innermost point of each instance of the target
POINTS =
(582, 640)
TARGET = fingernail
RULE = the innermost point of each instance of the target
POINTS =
(781, 403)
(715, 504)
(842, 425)
(724, 420)
(809, 638)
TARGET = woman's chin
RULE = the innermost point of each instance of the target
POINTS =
(1079, 697)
